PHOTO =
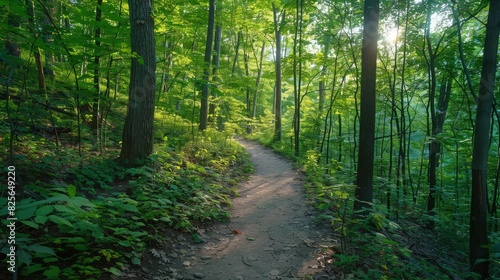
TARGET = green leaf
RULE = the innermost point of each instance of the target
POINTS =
(44, 210)
(52, 272)
(64, 209)
(136, 260)
(80, 247)
(60, 221)
(71, 191)
(50, 259)
(41, 249)
(41, 219)
(33, 268)
(26, 213)
(130, 208)
(30, 224)
(115, 271)
(24, 257)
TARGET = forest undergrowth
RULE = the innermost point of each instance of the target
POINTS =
(394, 244)
(88, 217)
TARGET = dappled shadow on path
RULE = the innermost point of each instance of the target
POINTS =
(279, 239)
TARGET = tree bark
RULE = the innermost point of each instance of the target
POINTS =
(297, 74)
(97, 80)
(364, 188)
(215, 63)
(257, 83)
(138, 128)
(236, 52)
(478, 237)
(277, 93)
(206, 67)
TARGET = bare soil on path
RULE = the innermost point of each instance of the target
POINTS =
(272, 233)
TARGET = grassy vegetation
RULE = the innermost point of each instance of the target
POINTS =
(381, 246)
(86, 217)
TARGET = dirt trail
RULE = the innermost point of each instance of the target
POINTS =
(279, 239)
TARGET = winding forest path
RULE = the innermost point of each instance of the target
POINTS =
(279, 239)
(277, 236)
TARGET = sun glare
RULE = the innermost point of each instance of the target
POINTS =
(391, 35)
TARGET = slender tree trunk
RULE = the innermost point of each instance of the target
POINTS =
(97, 80)
(431, 111)
(138, 128)
(402, 181)
(48, 38)
(236, 52)
(277, 113)
(478, 230)
(36, 52)
(364, 188)
(297, 75)
(247, 73)
(206, 67)
(167, 66)
(10, 45)
(216, 63)
(322, 82)
(257, 86)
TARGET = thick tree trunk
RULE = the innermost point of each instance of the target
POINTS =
(364, 188)
(206, 75)
(478, 229)
(138, 128)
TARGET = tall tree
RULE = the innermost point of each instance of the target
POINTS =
(138, 128)
(216, 64)
(297, 73)
(478, 238)
(206, 67)
(277, 88)
(436, 113)
(97, 79)
(257, 85)
(364, 180)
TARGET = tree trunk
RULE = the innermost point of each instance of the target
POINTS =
(478, 231)
(277, 91)
(48, 38)
(206, 67)
(36, 52)
(322, 81)
(237, 48)
(257, 85)
(435, 127)
(138, 128)
(215, 63)
(97, 80)
(364, 188)
(10, 45)
(297, 74)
